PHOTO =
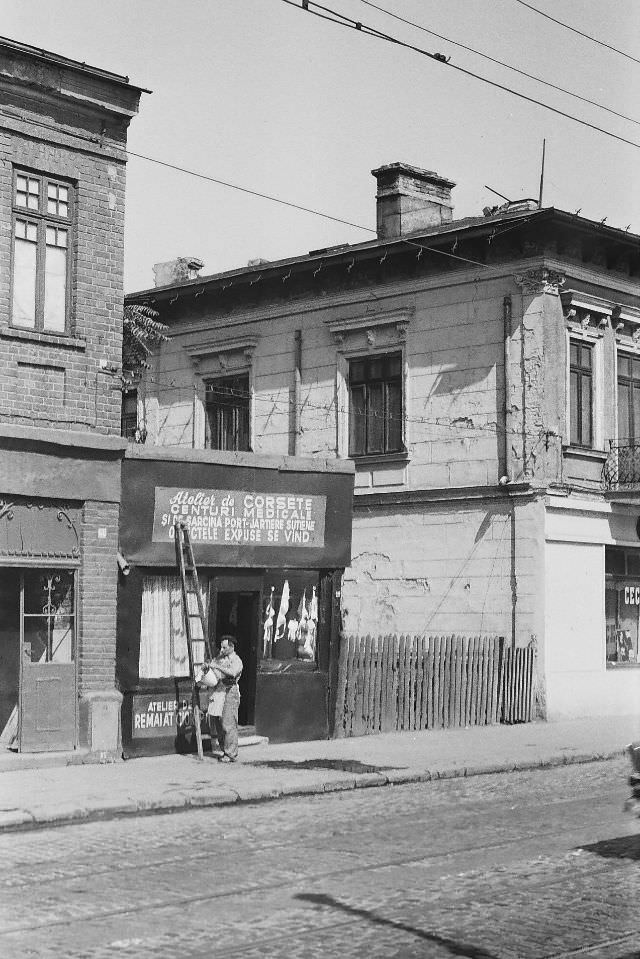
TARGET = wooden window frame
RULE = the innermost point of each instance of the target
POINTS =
(209, 382)
(43, 219)
(127, 430)
(632, 437)
(385, 380)
(581, 373)
(73, 616)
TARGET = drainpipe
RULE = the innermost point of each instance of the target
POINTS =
(506, 320)
(507, 475)
(297, 394)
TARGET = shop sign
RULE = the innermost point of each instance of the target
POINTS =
(157, 716)
(632, 595)
(240, 517)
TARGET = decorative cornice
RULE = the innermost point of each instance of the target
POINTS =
(393, 321)
(411, 498)
(541, 280)
(221, 349)
(577, 300)
(627, 314)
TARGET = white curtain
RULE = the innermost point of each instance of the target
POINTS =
(163, 642)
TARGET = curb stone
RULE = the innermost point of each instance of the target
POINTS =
(215, 797)
(366, 780)
(403, 777)
(339, 785)
(313, 788)
(255, 794)
(15, 820)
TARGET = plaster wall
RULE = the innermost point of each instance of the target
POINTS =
(466, 568)
(453, 353)
(578, 682)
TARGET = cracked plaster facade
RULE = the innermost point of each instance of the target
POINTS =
(452, 535)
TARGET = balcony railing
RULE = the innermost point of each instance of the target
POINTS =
(621, 468)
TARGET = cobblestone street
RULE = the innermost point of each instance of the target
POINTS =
(517, 866)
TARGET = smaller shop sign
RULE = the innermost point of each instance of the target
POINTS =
(632, 595)
(232, 517)
(159, 716)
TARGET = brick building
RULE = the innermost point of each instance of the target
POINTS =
(63, 129)
(483, 375)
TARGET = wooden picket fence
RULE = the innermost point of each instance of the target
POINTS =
(517, 685)
(393, 683)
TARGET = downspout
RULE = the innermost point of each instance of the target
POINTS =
(507, 473)
(506, 321)
(297, 394)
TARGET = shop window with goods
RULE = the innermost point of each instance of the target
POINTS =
(290, 620)
(622, 605)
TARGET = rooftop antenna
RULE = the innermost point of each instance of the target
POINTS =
(544, 143)
(501, 195)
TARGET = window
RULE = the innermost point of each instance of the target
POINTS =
(41, 234)
(48, 615)
(290, 620)
(581, 393)
(622, 604)
(163, 641)
(628, 399)
(129, 416)
(227, 413)
(375, 405)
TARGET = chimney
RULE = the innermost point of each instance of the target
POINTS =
(176, 271)
(410, 199)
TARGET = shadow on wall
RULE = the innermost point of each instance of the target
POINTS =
(453, 382)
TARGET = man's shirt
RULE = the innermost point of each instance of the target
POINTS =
(232, 664)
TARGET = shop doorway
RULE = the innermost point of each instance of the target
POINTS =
(37, 659)
(236, 612)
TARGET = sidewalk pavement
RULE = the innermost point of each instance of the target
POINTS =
(56, 789)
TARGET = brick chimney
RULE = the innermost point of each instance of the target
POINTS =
(176, 271)
(410, 199)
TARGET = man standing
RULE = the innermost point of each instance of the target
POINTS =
(228, 666)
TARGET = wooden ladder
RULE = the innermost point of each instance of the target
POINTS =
(195, 621)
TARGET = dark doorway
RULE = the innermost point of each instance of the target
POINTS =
(237, 614)
(9, 652)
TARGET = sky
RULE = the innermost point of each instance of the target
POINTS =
(263, 95)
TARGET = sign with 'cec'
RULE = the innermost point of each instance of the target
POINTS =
(632, 595)
(235, 517)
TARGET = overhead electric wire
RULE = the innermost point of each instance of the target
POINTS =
(282, 404)
(242, 189)
(502, 63)
(351, 24)
(586, 36)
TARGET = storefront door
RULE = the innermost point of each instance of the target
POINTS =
(9, 655)
(47, 666)
(236, 613)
